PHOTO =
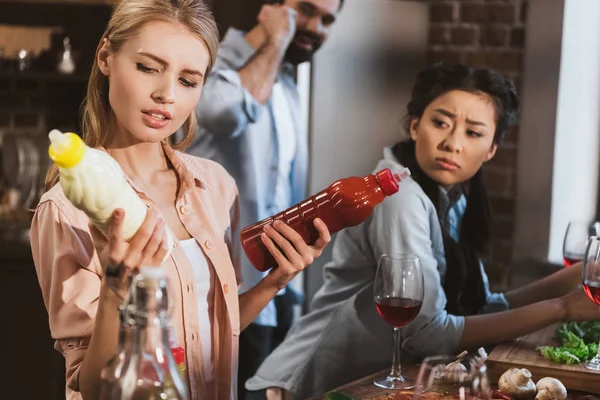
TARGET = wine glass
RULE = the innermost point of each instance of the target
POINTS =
(576, 238)
(590, 274)
(398, 294)
(464, 376)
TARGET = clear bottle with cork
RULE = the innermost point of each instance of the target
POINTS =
(145, 367)
(346, 202)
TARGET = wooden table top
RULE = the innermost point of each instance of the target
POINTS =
(364, 388)
(523, 353)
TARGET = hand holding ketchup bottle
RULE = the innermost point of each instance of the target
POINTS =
(346, 202)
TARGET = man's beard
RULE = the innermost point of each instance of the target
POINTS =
(296, 54)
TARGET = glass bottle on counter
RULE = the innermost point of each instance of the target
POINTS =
(114, 368)
(145, 367)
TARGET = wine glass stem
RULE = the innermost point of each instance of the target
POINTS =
(396, 367)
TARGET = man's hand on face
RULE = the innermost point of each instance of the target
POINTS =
(278, 23)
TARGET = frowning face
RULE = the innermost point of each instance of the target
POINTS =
(155, 80)
(455, 136)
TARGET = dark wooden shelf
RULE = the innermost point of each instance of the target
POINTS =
(50, 76)
(60, 2)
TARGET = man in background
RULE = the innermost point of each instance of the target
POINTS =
(249, 121)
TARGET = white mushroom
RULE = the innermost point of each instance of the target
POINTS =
(550, 389)
(517, 383)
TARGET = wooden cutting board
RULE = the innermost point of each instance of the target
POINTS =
(521, 353)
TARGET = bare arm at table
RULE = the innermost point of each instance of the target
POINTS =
(483, 330)
(555, 285)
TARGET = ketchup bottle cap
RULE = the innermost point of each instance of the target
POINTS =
(388, 180)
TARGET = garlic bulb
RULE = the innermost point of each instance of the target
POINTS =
(517, 383)
(550, 389)
(455, 372)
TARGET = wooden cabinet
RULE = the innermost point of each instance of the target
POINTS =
(32, 368)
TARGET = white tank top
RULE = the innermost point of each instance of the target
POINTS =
(202, 279)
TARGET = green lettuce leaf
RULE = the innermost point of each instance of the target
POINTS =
(579, 342)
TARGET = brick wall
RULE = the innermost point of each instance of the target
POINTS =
(487, 33)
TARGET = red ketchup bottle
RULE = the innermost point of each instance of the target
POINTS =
(346, 202)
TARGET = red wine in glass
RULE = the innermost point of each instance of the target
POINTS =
(576, 238)
(571, 259)
(398, 292)
(590, 278)
(592, 289)
(398, 311)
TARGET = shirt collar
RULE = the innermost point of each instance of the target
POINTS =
(447, 200)
(187, 172)
(288, 68)
(450, 197)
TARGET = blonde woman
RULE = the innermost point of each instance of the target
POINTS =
(147, 77)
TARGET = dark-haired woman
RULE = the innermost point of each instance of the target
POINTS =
(456, 118)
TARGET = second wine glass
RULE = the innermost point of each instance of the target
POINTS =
(576, 238)
(591, 284)
(398, 293)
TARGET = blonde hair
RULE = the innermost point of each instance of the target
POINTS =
(127, 19)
